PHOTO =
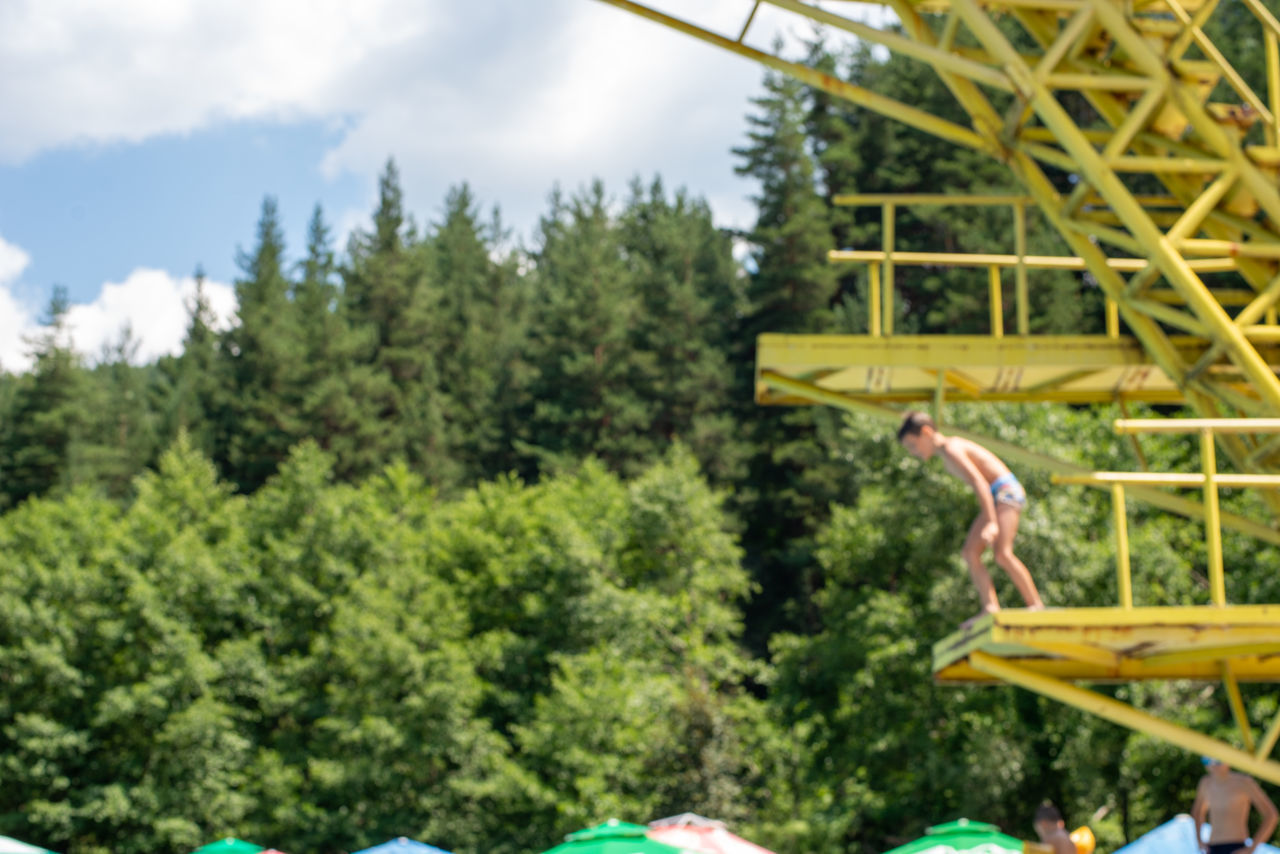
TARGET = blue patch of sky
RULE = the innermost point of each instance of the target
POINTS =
(93, 214)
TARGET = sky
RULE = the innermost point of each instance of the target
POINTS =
(138, 138)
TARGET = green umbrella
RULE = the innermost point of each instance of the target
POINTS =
(230, 845)
(962, 837)
(613, 837)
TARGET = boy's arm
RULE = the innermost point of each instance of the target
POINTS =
(1267, 809)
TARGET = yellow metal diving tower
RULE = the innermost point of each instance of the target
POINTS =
(1178, 331)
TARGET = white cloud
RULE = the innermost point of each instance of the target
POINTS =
(511, 95)
(566, 72)
(74, 71)
(15, 318)
(566, 91)
(15, 322)
(13, 260)
(153, 305)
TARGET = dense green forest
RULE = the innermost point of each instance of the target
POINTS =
(482, 543)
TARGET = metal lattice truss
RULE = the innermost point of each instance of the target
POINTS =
(1147, 69)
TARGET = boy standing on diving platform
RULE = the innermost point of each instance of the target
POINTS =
(1000, 502)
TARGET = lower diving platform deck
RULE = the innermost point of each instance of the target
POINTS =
(1120, 645)
(1049, 652)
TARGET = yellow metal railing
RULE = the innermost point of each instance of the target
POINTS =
(1207, 256)
(1209, 480)
(880, 287)
(880, 303)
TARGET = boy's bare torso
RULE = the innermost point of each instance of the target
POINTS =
(988, 464)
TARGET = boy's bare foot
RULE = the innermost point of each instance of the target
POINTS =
(978, 616)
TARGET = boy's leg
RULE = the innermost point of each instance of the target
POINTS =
(972, 553)
(1007, 518)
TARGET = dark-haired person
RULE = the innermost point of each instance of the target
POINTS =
(1052, 830)
(1000, 502)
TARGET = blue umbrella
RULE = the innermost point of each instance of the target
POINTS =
(1177, 836)
(402, 846)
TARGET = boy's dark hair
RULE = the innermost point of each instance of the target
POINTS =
(913, 422)
(1047, 812)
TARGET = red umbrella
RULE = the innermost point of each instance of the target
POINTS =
(701, 834)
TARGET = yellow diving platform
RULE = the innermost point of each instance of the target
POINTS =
(917, 369)
(1108, 645)
(1049, 651)
(1172, 210)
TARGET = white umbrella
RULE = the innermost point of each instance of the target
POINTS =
(13, 846)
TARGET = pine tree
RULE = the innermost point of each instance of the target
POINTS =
(690, 300)
(392, 307)
(315, 294)
(376, 288)
(47, 416)
(195, 379)
(341, 394)
(480, 315)
(585, 391)
(792, 479)
(123, 422)
(265, 360)
(793, 283)
(841, 158)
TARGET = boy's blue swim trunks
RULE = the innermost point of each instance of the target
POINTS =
(1006, 490)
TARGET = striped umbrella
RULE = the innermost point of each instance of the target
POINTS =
(962, 837)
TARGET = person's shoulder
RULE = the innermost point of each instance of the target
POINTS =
(1245, 781)
(1240, 783)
